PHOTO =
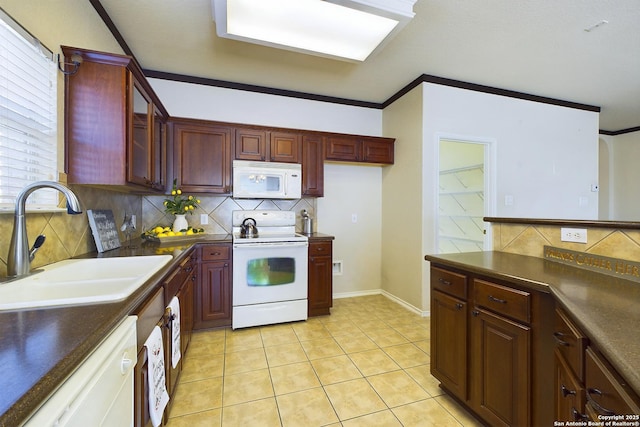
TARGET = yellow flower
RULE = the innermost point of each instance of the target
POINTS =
(186, 208)
(173, 192)
(179, 191)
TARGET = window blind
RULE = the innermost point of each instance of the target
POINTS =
(28, 115)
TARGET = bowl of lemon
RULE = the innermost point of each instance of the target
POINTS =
(165, 234)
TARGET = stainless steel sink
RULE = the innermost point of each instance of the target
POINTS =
(81, 281)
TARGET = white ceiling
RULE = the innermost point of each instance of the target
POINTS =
(539, 47)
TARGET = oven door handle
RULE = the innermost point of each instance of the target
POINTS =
(270, 244)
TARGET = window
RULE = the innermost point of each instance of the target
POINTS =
(28, 115)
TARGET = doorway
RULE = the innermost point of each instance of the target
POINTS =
(463, 196)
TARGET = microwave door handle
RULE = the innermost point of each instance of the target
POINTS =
(286, 181)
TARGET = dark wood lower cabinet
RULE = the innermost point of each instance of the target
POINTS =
(449, 342)
(154, 312)
(320, 275)
(492, 347)
(214, 293)
(569, 392)
(501, 372)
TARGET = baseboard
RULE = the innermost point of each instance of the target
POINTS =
(386, 294)
(405, 304)
(357, 294)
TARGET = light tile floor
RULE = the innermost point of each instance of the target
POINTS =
(367, 364)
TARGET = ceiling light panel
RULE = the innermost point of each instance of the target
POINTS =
(310, 26)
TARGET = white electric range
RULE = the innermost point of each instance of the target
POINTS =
(269, 271)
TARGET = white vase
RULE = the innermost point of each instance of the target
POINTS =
(180, 223)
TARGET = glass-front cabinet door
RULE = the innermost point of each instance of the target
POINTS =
(158, 151)
(139, 168)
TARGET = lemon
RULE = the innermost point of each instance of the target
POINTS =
(158, 230)
(167, 229)
(189, 232)
(170, 234)
(161, 235)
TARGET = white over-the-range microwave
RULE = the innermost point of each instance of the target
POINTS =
(266, 180)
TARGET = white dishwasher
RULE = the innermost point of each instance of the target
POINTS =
(100, 391)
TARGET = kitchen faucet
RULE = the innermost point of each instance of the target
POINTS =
(19, 260)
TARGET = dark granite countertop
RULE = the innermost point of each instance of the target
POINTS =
(606, 308)
(40, 348)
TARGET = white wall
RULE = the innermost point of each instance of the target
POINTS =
(349, 188)
(236, 106)
(547, 156)
(353, 190)
(624, 176)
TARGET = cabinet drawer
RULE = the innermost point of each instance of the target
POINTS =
(176, 279)
(501, 299)
(570, 342)
(320, 248)
(213, 253)
(607, 393)
(149, 313)
(449, 282)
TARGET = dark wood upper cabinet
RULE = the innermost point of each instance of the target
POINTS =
(250, 144)
(343, 148)
(202, 156)
(378, 150)
(313, 165)
(360, 149)
(284, 147)
(114, 125)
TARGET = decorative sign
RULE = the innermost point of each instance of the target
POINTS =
(624, 269)
(103, 228)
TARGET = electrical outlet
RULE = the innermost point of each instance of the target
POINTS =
(204, 219)
(354, 218)
(576, 235)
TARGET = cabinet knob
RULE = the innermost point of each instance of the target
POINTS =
(566, 392)
(459, 305)
(475, 313)
(444, 282)
(577, 416)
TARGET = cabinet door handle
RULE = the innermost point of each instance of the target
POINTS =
(599, 408)
(494, 299)
(444, 282)
(214, 253)
(475, 313)
(557, 336)
(459, 305)
(577, 416)
(170, 320)
(566, 392)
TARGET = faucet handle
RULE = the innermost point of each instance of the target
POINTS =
(36, 245)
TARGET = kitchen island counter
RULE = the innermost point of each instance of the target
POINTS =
(605, 307)
(41, 348)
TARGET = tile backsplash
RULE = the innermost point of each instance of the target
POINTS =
(69, 235)
(530, 239)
